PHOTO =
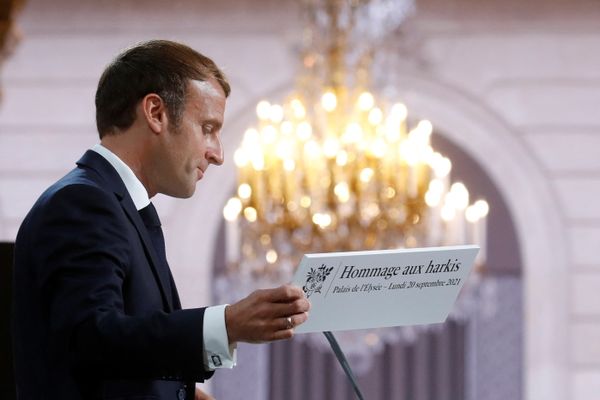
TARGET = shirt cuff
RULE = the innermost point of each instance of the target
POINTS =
(218, 353)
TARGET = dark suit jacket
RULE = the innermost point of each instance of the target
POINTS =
(93, 318)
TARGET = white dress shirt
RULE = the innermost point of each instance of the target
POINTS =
(218, 353)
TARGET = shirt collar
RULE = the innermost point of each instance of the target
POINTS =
(135, 188)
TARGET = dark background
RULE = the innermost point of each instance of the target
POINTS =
(7, 385)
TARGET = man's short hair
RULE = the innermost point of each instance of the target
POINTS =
(157, 66)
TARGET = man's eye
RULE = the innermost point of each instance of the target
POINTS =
(208, 129)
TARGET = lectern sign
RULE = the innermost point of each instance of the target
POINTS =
(372, 289)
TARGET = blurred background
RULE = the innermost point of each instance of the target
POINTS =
(511, 90)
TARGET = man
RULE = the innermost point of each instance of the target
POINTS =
(97, 315)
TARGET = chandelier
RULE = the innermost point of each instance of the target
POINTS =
(333, 168)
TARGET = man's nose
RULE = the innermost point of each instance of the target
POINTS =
(215, 153)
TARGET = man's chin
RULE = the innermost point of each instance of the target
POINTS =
(182, 193)
(189, 193)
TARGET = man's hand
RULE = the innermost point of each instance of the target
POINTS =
(200, 395)
(266, 315)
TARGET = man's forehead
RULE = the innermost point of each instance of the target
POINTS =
(206, 98)
(210, 88)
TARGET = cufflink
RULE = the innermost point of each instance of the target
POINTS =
(216, 360)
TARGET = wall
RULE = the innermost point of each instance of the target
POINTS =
(534, 67)
(516, 84)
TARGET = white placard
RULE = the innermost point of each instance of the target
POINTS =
(373, 289)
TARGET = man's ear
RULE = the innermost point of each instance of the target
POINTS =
(154, 110)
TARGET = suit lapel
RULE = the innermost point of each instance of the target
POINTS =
(113, 181)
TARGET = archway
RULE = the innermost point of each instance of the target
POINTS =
(504, 158)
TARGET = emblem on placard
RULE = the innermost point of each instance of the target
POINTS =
(315, 279)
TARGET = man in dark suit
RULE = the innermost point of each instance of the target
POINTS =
(97, 314)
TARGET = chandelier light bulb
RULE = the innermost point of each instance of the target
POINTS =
(409, 152)
(375, 116)
(425, 153)
(432, 198)
(425, 128)
(312, 149)
(239, 158)
(292, 206)
(435, 159)
(298, 108)
(269, 134)
(323, 220)
(251, 137)
(287, 128)
(448, 213)
(457, 187)
(392, 133)
(316, 218)
(342, 158)
(366, 101)
(413, 135)
(472, 214)
(399, 112)
(460, 195)
(244, 191)
(284, 149)
(258, 161)
(330, 147)
(250, 214)
(289, 164)
(353, 133)
(265, 239)
(276, 113)
(371, 211)
(271, 256)
(305, 201)
(436, 186)
(449, 200)
(379, 148)
(390, 192)
(483, 207)
(342, 192)
(366, 174)
(329, 101)
(304, 131)
(263, 110)
(431, 156)
(232, 209)
(442, 167)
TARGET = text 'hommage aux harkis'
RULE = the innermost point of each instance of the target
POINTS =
(353, 272)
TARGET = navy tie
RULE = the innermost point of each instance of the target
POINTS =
(152, 222)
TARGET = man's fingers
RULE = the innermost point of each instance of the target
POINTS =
(284, 294)
(291, 322)
(283, 334)
(300, 318)
(286, 309)
(286, 332)
(200, 395)
(263, 316)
